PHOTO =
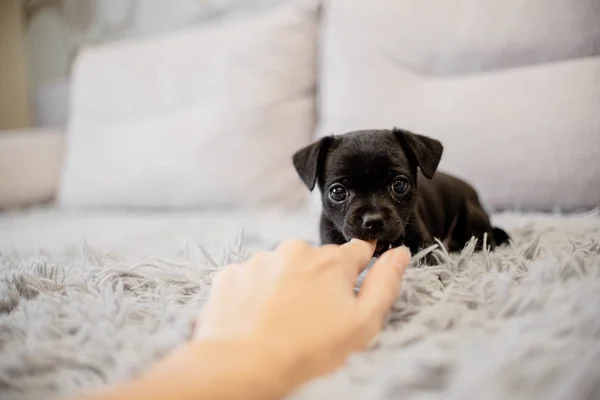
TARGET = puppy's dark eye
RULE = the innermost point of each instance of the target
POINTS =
(400, 186)
(338, 192)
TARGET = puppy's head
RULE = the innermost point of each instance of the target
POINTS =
(368, 180)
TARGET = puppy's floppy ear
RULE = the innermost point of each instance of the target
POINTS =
(309, 160)
(426, 151)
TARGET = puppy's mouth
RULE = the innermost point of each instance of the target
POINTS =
(382, 247)
(385, 245)
(384, 242)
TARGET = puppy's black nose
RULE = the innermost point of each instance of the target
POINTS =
(372, 221)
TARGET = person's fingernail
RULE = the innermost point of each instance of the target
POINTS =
(401, 257)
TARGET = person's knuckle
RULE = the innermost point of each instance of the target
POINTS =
(331, 257)
(336, 252)
(329, 247)
(292, 245)
(298, 243)
(259, 257)
(225, 274)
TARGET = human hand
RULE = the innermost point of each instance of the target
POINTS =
(274, 322)
(298, 304)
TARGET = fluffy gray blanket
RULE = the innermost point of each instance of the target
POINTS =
(90, 299)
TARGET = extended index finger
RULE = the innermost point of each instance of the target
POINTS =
(358, 253)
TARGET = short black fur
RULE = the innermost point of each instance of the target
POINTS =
(384, 185)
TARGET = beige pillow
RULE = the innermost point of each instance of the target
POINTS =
(207, 117)
(527, 136)
(30, 165)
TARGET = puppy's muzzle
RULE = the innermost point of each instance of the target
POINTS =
(373, 222)
(375, 225)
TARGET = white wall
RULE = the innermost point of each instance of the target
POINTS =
(53, 41)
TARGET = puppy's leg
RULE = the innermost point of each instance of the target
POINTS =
(482, 227)
(477, 224)
(500, 236)
(329, 233)
(469, 221)
(419, 238)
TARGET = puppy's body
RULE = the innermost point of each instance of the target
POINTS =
(447, 208)
(383, 185)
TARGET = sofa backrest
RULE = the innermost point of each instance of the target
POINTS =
(511, 87)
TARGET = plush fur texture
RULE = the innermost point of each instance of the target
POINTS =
(90, 299)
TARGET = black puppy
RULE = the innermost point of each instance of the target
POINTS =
(382, 185)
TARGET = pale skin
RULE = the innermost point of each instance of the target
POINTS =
(275, 322)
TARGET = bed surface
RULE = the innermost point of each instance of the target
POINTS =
(91, 297)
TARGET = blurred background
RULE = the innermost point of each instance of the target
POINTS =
(52, 32)
(200, 103)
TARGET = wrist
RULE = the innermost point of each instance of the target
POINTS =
(224, 370)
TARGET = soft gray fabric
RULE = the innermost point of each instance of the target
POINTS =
(466, 37)
(92, 298)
